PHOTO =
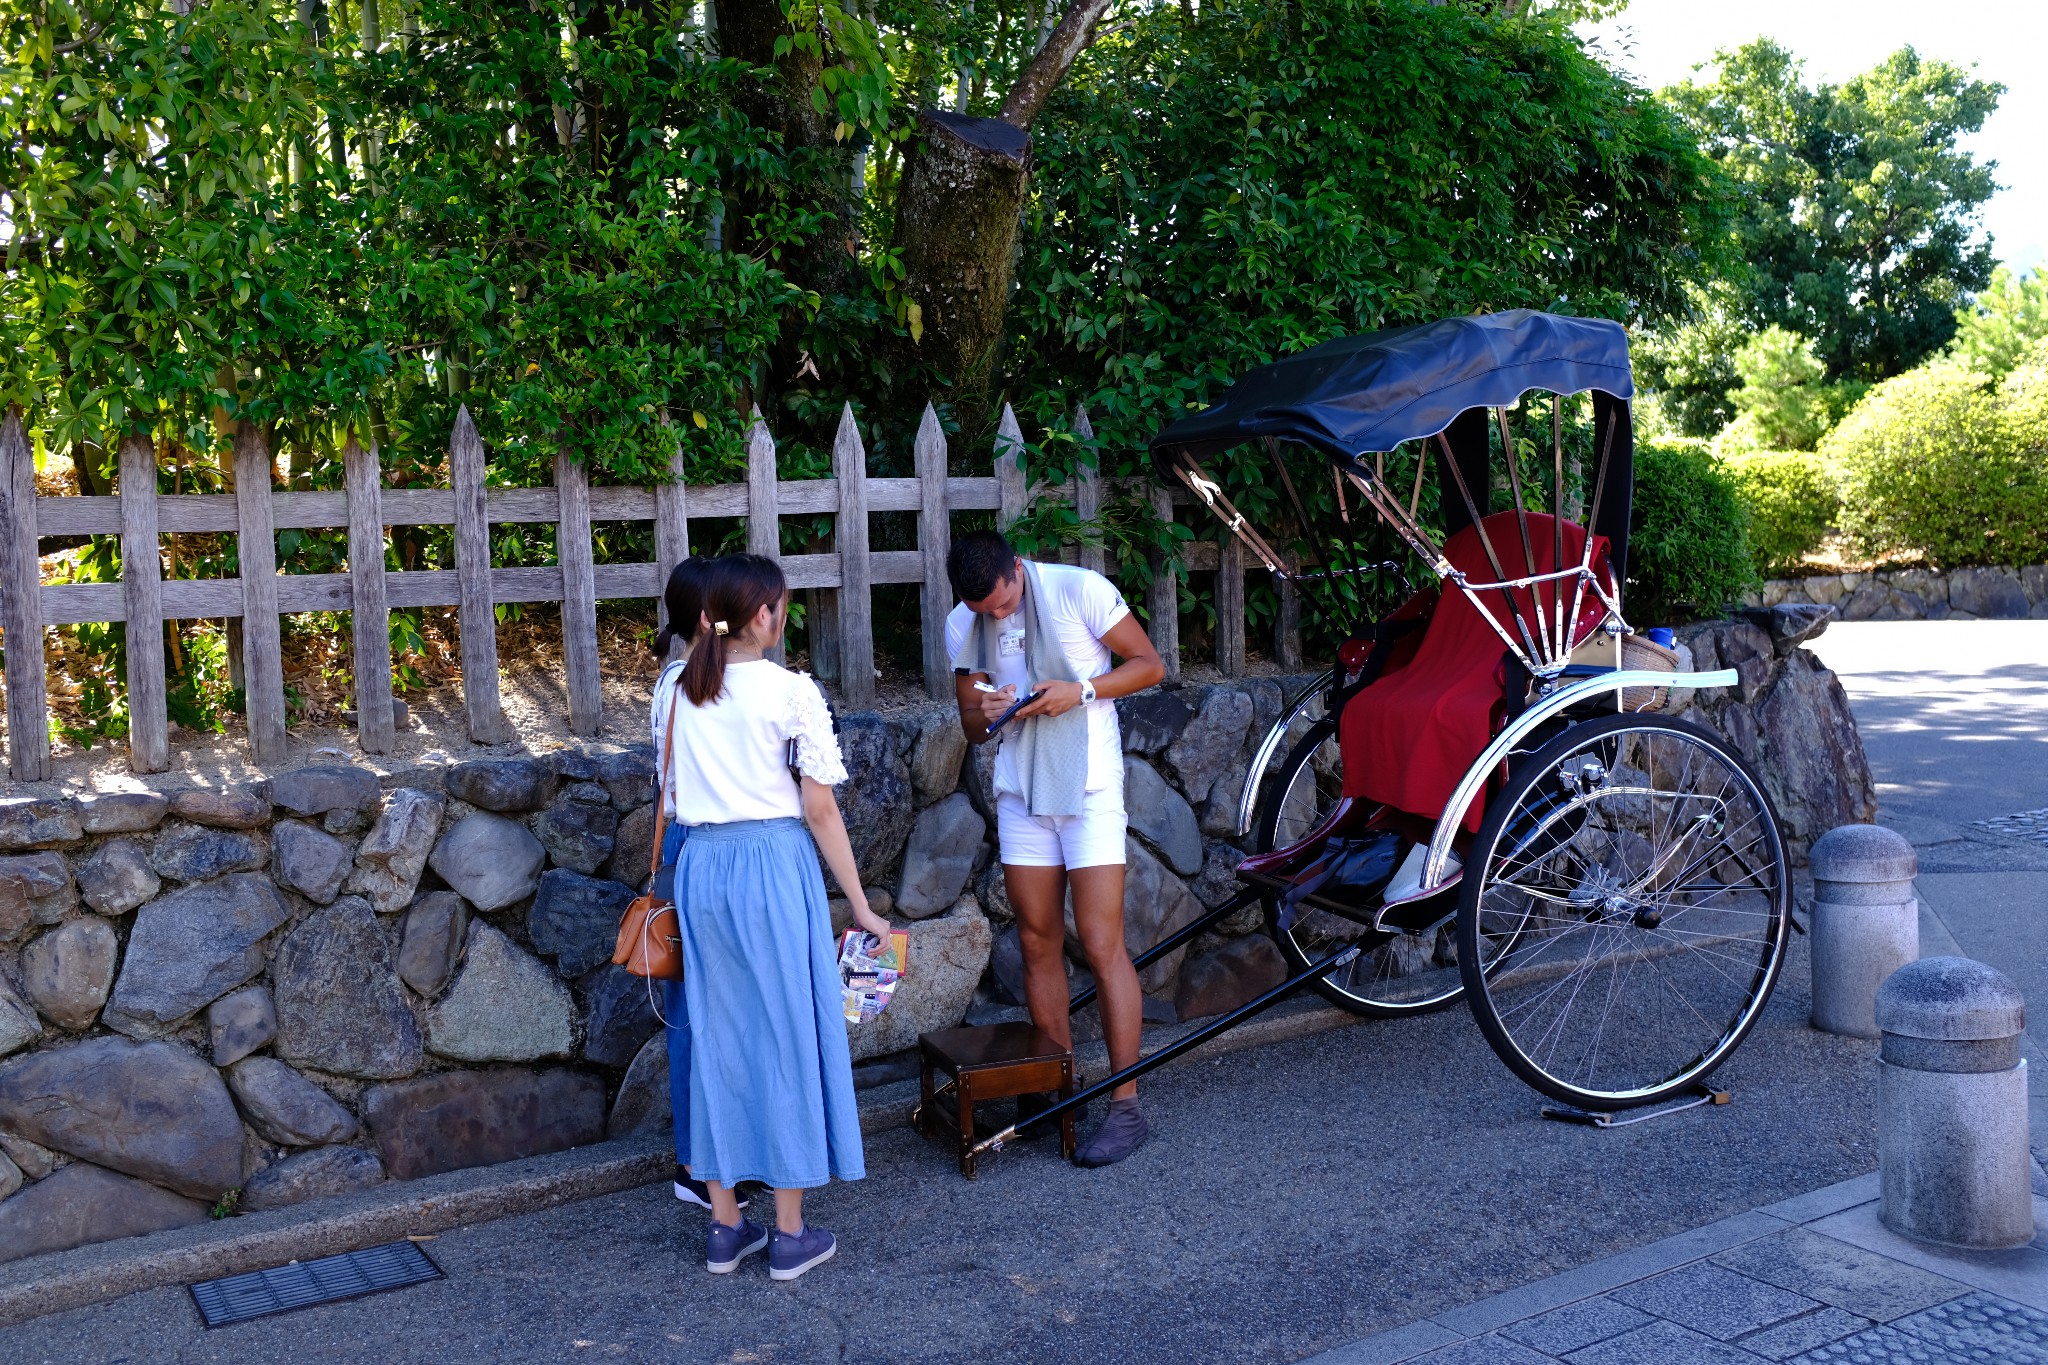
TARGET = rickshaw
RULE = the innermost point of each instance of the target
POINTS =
(1605, 885)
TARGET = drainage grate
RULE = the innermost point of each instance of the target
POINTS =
(258, 1294)
(2027, 824)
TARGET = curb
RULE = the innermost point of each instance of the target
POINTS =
(59, 1281)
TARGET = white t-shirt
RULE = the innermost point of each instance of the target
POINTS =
(1081, 606)
(731, 758)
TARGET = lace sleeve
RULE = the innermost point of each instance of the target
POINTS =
(810, 725)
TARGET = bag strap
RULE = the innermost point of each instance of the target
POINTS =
(661, 770)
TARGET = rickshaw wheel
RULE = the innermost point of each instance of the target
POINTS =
(1624, 911)
(1405, 973)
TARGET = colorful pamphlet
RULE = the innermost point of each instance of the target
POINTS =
(869, 970)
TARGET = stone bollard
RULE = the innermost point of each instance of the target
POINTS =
(1866, 923)
(1952, 1106)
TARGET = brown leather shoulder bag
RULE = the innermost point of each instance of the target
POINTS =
(650, 936)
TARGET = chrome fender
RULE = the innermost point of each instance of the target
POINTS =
(1473, 785)
(1248, 800)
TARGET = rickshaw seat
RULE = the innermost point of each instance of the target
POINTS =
(1409, 737)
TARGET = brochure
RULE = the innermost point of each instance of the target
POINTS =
(869, 970)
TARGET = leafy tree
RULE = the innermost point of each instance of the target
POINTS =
(1213, 194)
(1858, 204)
(2007, 322)
(1783, 403)
(1216, 194)
(1686, 367)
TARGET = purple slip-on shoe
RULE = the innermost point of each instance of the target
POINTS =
(725, 1248)
(791, 1255)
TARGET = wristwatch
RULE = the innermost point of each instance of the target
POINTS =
(1087, 692)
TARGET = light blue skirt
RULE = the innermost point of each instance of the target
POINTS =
(674, 1008)
(771, 1081)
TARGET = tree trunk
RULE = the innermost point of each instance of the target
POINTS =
(957, 217)
(958, 214)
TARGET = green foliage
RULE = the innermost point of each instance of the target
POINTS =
(1783, 403)
(1858, 205)
(1212, 195)
(1938, 466)
(1688, 365)
(223, 214)
(1689, 553)
(2004, 325)
(1792, 501)
(578, 221)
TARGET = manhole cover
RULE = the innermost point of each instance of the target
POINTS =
(258, 1294)
(2027, 824)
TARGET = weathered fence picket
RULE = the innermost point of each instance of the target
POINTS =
(256, 551)
(1088, 492)
(671, 537)
(477, 614)
(844, 570)
(764, 500)
(856, 591)
(1230, 606)
(21, 608)
(142, 572)
(1162, 598)
(1013, 495)
(935, 541)
(369, 599)
(579, 596)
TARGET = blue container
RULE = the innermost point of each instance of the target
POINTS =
(1662, 635)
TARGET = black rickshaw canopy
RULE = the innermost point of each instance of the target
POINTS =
(1365, 395)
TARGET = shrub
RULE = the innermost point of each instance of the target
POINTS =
(1689, 553)
(1938, 464)
(1792, 502)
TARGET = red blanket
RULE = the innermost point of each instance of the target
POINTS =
(1410, 737)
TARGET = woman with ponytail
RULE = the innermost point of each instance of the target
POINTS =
(684, 600)
(769, 1076)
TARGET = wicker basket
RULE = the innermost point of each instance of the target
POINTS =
(1637, 652)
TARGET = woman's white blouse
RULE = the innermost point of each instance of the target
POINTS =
(731, 757)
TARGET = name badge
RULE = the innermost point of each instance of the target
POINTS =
(1011, 642)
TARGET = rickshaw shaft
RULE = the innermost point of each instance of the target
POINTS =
(1221, 1024)
(1172, 941)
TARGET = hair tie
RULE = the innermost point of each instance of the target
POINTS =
(719, 626)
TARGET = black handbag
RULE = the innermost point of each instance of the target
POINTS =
(1351, 871)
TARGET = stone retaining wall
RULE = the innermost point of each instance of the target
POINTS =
(1919, 594)
(319, 982)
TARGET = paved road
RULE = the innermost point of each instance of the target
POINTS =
(1297, 1197)
(1954, 716)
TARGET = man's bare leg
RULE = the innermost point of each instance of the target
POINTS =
(1037, 894)
(1099, 915)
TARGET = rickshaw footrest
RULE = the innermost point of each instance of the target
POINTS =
(1598, 1118)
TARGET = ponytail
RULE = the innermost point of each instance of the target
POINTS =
(738, 587)
(683, 600)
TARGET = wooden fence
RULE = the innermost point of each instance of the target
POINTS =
(842, 635)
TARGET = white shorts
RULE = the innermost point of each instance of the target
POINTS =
(1094, 838)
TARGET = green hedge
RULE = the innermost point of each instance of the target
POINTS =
(1940, 465)
(1792, 502)
(1689, 552)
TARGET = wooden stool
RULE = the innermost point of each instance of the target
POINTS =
(992, 1062)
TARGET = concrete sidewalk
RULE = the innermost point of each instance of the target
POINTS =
(1807, 1280)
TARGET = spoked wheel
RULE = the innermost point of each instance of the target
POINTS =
(1404, 973)
(1624, 911)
